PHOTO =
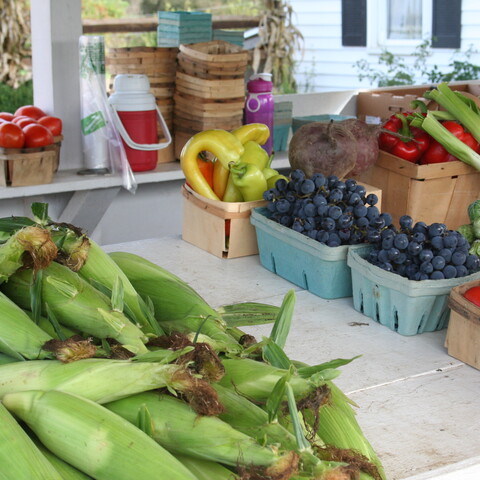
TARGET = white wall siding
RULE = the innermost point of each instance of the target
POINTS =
(325, 65)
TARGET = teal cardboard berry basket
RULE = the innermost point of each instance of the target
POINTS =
(305, 262)
(405, 306)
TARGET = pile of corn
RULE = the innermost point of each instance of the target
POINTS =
(113, 368)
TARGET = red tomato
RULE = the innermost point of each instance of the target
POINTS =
(473, 295)
(11, 135)
(30, 111)
(23, 121)
(37, 135)
(54, 124)
(6, 116)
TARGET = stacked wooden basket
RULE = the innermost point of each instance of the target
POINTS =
(209, 89)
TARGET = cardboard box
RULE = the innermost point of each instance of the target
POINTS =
(463, 334)
(377, 105)
(220, 228)
(432, 193)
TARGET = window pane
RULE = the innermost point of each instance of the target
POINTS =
(404, 19)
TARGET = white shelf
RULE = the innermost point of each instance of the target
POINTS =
(71, 181)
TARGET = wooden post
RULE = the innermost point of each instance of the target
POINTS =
(56, 27)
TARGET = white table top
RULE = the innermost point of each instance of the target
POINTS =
(419, 407)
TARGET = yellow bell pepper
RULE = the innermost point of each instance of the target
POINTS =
(225, 146)
(257, 132)
(253, 154)
(223, 187)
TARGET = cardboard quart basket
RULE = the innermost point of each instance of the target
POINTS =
(220, 228)
(431, 193)
(405, 306)
(463, 334)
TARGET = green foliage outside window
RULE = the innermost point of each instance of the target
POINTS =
(395, 70)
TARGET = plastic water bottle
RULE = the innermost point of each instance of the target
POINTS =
(135, 114)
(259, 105)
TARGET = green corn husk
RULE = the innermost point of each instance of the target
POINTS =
(87, 258)
(338, 427)
(19, 456)
(180, 430)
(20, 337)
(256, 380)
(177, 306)
(4, 359)
(32, 240)
(100, 380)
(93, 439)
(252, 420)
(76, 304)
(248, 313)
(206, 469)
(66, 471)
(46, 325)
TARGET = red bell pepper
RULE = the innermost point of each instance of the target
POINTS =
(408, 143)
(436, 153)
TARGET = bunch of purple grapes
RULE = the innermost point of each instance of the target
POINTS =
(421, 252)
(327, 209)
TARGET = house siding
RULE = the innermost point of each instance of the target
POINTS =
(326, 65)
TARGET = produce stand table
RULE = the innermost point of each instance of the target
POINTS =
(419, 407)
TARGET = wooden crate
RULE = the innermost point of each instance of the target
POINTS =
(19, 168)
(432, 193)
(463, 333)
(206, 224)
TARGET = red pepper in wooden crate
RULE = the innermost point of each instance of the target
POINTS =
(406, 142)
(436, 153)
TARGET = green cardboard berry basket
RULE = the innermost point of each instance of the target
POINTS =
(305, 262)
(405, 306)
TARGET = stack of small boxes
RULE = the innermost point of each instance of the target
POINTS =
(176, 28)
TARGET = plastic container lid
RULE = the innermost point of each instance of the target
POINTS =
(132, 93)
(260, 83)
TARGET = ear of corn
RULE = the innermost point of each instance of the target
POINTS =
(19, 457)
(256, 380)
(338, 426)
(4, 359)
(100, 380)
(93, 439)
(66, 471)
(32, 240)
(248, 313)
(177, 306)
(206, 469)
(180, 430)
(20, 337)
(96, 265)
(46, 325)
(78, 305)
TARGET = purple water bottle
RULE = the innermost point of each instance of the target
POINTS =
(259, 106)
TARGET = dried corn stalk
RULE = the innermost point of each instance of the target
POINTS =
(14, 35)
(278, 43)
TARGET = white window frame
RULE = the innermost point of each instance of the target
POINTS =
(377, 26)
